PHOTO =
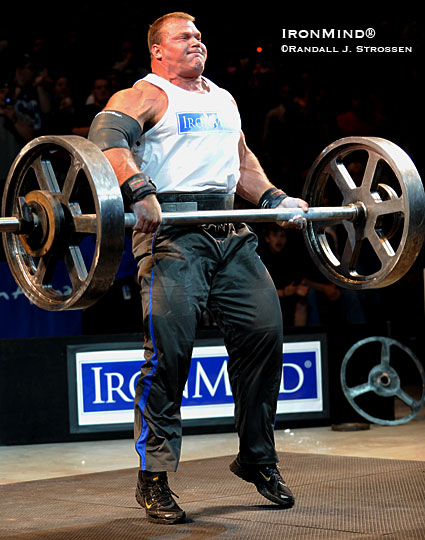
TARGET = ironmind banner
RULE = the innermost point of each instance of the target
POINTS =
(102, 383)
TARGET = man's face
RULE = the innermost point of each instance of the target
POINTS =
(276, 240)
(101, 91)
(24, 75)
(181, 49)
(62, 87)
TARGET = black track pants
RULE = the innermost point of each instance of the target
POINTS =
(182, 271)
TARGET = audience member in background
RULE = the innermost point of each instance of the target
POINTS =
(59, 121)
(13, 132)
(115, 81)
(306, 298)
(100, 93)
(127, 64)
(362, 116)
(26, 98)
(276, 138)
(21, 105)
(290, 136)
(278, 255)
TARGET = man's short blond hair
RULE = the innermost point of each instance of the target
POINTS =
(154, 33)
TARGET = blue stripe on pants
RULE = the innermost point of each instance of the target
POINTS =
(147, 383)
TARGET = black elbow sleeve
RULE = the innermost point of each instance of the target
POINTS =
(114, 129)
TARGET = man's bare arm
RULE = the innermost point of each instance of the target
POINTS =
(145, 104)
(253, 183)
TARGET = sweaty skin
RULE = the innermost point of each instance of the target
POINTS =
(180, 58)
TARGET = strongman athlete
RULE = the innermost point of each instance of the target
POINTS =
(175, 143)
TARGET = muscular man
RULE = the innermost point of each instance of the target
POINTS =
(181, 130)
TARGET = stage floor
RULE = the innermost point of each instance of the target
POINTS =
(337, 497)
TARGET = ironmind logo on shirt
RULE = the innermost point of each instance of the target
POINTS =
(195, 122)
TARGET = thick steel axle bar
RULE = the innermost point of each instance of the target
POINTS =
(87, 222)
(9, 224)
(325, 213)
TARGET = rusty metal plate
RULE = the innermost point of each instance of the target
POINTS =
(71, 255)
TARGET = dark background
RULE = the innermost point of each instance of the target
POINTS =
(83, 39)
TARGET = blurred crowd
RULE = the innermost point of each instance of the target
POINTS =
(291, 109)
(40, 96)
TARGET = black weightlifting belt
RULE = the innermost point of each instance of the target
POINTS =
(192, 202)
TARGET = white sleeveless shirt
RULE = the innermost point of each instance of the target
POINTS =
(194, 147)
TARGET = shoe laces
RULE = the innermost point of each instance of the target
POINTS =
(274, 474)
(160, 490)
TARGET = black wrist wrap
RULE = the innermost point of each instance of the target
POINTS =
(137, 187)
(272, 198)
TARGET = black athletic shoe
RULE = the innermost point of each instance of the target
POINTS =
(155, 495)
(267, 480)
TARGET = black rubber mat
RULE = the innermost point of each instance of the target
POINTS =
(337, 498)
